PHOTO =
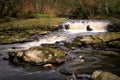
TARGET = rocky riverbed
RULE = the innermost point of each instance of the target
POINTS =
(75, 60)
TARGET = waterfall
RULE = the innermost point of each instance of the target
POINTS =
(68, 30)
(85, 25)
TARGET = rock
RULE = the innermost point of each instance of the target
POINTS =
(5, 58)
(101, 75)
(114, 28)
(49, 45)
(115, 43)
(110, 39)
(15, 57)
(37, 55)
(83, 76)
(46, 66)
(109, 53)
(65, 71)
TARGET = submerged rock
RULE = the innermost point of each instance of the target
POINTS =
(37, 55)
(101, 75)
(83, 76)
(65, 71)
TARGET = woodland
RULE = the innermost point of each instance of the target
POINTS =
(74, 9)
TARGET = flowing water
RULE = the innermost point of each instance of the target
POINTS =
(67, 32)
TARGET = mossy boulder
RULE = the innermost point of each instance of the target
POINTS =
(110, 39)
(101, 75)
(38, 55)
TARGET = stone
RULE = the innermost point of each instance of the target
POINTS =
(115, 43)
(46, 66)
(83, 76)
(5, 58)
(101, 75)
(39, 55)
(65, 71)
(109, 53)
(103, 40)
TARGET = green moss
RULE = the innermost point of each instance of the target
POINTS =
(51, 51)
(21, 30)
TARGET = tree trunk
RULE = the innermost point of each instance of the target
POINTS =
(107, 8)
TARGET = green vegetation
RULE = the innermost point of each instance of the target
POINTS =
(67, 8)
(19, 19)
(22, 30)
(38, 15)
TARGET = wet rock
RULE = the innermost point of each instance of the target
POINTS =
(110, 39)
(109, 53)
(15, 57)
(48, 66)
(37, 55)
(5, 58)
(65, 71)
(114, 28)
(69, 45)
(83, 76)
(70, 58)
(77, 42)
(115, 43)
(49, 45)
(101, 75)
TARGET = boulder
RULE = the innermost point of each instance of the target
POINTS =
(65, 71)
(110, 39)
(101, 75)
(109, 53)
(115, 43)
(38, 55)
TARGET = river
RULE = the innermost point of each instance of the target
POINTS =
(83, 67)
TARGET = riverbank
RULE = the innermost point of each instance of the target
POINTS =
(23, 29)
(62, 60)
(20, 30)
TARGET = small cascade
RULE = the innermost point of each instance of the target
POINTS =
(68, 30)
(85, 25)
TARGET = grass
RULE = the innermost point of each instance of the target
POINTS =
(23, 29)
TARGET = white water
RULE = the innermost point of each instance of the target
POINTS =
(82, 25)
(76, 28)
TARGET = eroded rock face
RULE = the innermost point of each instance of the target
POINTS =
(101, 75)
(37, 55)
(111, 39)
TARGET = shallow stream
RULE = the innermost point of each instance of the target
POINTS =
(92, 61)
(80, 61)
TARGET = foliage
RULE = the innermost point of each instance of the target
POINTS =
(115, 6)
(78, 14)
(60, 8)
(8, 18)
